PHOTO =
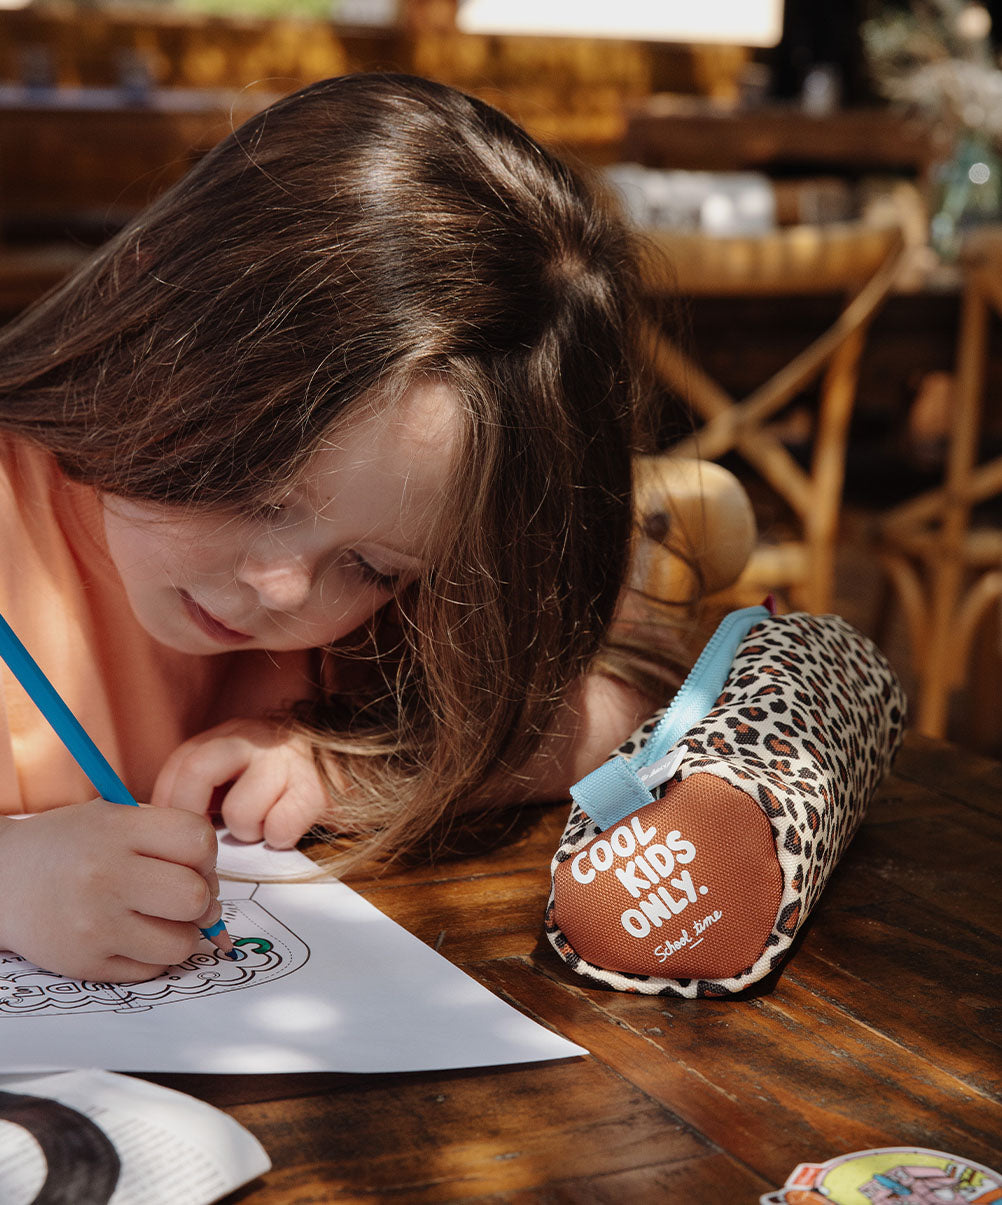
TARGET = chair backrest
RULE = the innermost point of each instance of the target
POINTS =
(796, 260)
(945, 570)
(858, 261)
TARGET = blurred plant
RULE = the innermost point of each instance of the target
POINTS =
(937, 58)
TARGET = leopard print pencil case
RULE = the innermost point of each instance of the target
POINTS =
(693, 855)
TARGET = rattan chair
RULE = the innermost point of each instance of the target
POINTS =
(856, 260)
(945, 570)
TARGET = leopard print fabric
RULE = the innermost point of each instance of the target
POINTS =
(807, 725)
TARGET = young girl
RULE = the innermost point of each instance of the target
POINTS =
(315, 487)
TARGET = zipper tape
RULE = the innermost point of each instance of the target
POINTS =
(621, 785)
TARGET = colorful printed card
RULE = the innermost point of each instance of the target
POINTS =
(891, 1175)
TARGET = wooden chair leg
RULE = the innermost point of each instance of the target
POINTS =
(903, 584)
(828, 470)
(941, 663)
(983, 722)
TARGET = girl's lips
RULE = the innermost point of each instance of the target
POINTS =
(210, 625)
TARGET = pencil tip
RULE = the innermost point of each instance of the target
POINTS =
(232, 955)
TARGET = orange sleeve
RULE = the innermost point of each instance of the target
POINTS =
(60, 593)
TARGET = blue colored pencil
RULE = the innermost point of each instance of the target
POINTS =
(71, 732)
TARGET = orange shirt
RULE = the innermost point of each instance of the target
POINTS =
(60, 593)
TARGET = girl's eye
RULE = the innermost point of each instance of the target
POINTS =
(372, 575)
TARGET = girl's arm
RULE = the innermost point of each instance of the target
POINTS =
(599, 714)
(273, 791)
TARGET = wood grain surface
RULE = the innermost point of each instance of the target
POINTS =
(884, 1028)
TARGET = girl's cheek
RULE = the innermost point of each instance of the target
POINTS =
(340, 621)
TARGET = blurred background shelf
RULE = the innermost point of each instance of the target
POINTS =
(103, 106)
(689, 132)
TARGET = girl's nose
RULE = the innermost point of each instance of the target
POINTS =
(281, 584)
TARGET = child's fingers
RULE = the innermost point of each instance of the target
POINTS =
(190, 776)
(209, 917)
(119, 969)
(263, 804)
(167, 890)
(143, 946)
(251, 797)
(154, 942)
(292, 816)
(174, 836)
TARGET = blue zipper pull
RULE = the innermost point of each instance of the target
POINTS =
(621, 785)
(703, 683)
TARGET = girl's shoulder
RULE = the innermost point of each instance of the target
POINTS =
(27, 472)
(8, 464)
(13, 482)
(45, 519)
(26, 519)
(28, 479)
(34, 492)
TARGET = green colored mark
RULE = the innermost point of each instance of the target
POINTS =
(259, 945)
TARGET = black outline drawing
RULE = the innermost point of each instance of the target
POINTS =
(82, 1164)
(266, 950)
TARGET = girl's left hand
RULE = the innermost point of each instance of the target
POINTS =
(274, 793)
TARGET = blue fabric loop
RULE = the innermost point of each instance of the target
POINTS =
(613, 791)
(610, 792)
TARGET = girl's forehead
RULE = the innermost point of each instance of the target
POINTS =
(415, 436)
(383, 476)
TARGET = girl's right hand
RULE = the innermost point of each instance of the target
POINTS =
(105, 892)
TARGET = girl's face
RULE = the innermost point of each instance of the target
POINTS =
(310, 570)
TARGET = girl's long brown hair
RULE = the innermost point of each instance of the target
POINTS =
(363, 233)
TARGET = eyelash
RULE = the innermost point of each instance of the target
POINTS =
(383, 581)
(273, 511)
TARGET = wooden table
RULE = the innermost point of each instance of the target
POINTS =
(884, 1029)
